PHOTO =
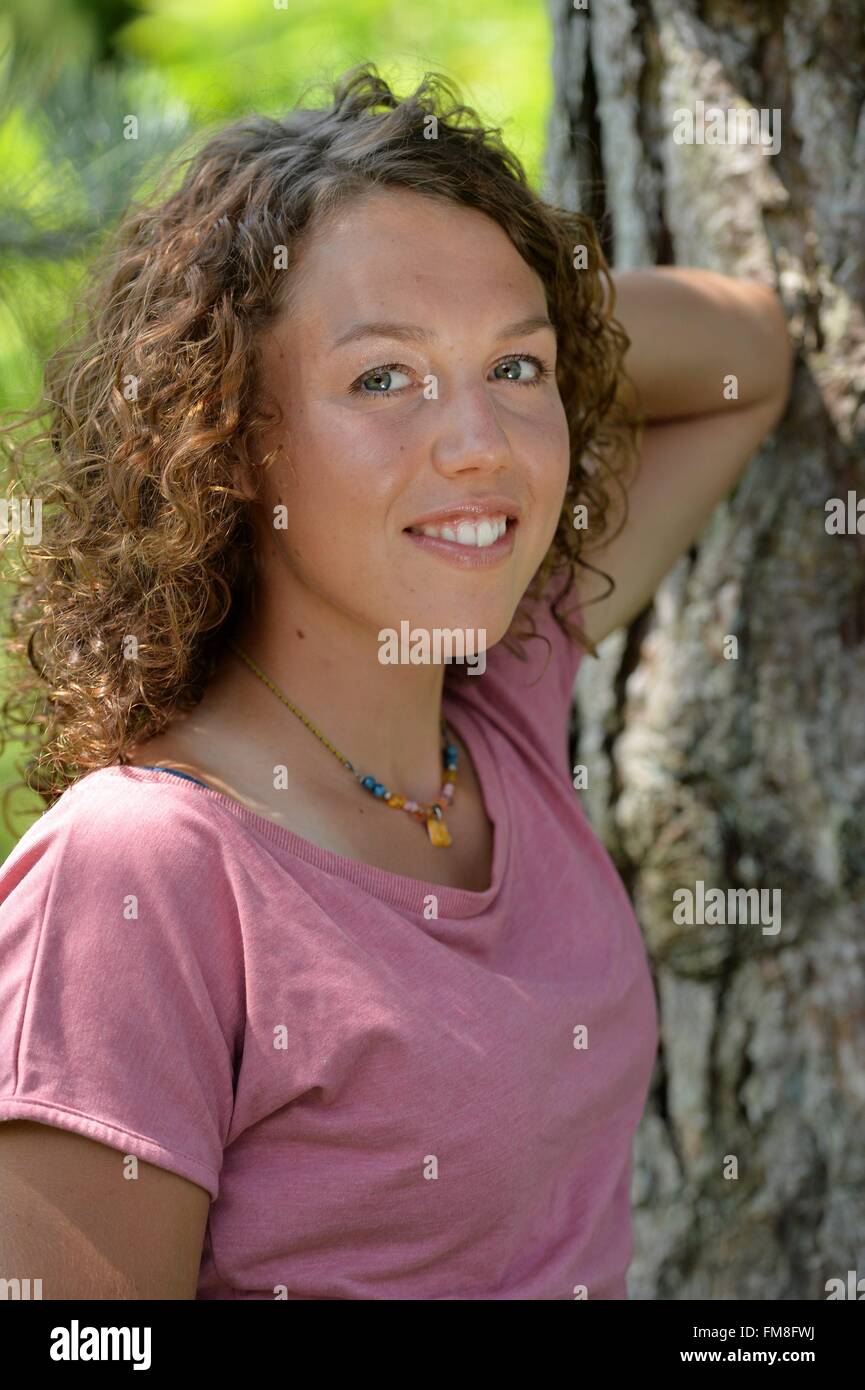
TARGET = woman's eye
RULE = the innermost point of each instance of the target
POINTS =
(382, 382)
(540, 368)
(382, 379)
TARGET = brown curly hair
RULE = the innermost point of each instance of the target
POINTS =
(145, 532)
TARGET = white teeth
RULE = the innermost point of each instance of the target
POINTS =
(481, 533)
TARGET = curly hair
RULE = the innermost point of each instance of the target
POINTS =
(154, 399)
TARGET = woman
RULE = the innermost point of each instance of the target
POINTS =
(318, 984)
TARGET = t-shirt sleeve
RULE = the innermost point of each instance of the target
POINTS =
(121, 977)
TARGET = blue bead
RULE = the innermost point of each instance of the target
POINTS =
(378, 789)
(369, 783)
(451, 751)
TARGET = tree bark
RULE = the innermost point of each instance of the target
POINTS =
(747, 772)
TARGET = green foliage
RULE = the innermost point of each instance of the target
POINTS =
(72, 70)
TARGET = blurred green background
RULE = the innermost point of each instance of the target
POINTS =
(71, 71)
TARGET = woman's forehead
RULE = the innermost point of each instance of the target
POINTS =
(409, 269)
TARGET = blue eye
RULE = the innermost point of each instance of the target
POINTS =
(383, 375)
(378, 374)
(540, 367)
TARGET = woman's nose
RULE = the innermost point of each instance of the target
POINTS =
(467, 432)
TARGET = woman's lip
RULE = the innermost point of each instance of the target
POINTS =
(469, 511)
(467, 556)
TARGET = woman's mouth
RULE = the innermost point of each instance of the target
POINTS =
(472, 544)
(484, 531)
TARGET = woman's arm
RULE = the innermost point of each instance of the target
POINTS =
(710, 364)
(73, 1220)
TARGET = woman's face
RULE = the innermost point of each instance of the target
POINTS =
(381, 429)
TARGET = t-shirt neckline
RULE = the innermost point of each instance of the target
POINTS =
(399, 890)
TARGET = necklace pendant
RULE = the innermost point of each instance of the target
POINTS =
(436, 828)
(438, 832)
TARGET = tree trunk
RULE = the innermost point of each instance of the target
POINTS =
(749, 772)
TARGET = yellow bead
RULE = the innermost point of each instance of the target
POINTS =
(397, 801)
(450, 775)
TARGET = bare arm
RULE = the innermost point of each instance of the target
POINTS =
(69, 1217)
(711, 362)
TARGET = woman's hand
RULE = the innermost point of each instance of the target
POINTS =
(710, 364)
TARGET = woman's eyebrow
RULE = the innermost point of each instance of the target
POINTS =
(413, 333)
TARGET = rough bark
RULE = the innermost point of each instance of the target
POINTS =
(748, 772)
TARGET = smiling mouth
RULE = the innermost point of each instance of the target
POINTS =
(479, 535)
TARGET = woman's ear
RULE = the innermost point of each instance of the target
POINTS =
(262, 445)
(244, 479)
(253, 457)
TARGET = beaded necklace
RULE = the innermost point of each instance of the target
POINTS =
(431, 813)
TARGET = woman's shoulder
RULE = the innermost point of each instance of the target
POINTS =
(116, 847)
(112, 813)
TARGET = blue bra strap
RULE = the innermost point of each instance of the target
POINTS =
(175, 773)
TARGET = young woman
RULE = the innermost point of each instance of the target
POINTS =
(316, 981)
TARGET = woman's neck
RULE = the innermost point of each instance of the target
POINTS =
(384, 718)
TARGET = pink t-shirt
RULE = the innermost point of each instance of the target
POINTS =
(381, 1102)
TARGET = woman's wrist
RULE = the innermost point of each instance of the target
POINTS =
(700, 342)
